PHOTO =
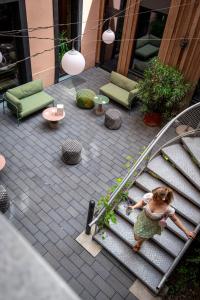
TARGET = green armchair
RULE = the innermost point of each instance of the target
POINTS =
(27, 99)
(120, 89)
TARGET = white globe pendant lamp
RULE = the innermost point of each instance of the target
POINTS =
(73, 62)
(108, 36)
(1, 57)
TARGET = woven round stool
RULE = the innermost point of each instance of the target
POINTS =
(71, 152)
(4, 202)
(113, 119)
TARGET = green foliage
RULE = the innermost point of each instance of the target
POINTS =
(63, 44)
(122, 196)
(162, 89)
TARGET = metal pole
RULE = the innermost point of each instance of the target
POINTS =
(90, 216)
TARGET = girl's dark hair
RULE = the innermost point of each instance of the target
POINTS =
(164, 193)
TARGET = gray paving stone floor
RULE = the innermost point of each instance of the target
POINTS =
(49, 200)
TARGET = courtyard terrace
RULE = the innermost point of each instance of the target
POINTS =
(49, 199)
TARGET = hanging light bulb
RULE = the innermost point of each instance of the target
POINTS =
(108, 36)
(73, 62)
(1, 57)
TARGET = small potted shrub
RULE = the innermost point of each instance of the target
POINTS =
(160, 92)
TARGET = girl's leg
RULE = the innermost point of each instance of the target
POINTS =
(139, 243)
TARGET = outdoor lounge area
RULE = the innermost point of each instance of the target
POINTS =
(99, 150)
(49, 199)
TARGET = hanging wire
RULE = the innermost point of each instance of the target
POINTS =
(31, 29)
(96, 27)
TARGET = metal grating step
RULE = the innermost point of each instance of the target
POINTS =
(167, 240)
(192, 144)
(135, 194)
(172, 177)
(184, 207)
(183, 162)
(132, 261)
(158, 257)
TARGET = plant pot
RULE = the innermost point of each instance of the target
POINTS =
(152, 119)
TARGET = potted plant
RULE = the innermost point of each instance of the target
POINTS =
(161, 92)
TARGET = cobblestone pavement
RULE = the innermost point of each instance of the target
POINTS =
(50, 199)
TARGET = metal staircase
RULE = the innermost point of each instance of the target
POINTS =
(176, 164)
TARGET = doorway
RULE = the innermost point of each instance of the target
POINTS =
(150, 28)
(13, 48)
(67, 21)
(110, 53)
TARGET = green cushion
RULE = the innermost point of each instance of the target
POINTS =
(116, 93)
(122, 81)
(154, 40)
(34, 103)
(146, 51)
(27, 89)
(142, 41)
(85, 98)
(132, 95)
(13, 100)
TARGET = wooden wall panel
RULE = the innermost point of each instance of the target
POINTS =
(128, 34)
(183, 22)
(99, 35)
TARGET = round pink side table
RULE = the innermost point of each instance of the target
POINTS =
(50, 114)
(2, 162)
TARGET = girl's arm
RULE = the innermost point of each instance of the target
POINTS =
(177, 221)
(139, 204)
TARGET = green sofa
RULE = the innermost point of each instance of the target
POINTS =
(120, 89)
(27, 99)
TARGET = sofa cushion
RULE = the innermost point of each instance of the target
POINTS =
(27, 89)
(116, 93)
(34, 103)
(122, 81)
(146, 51)
(142, 41)
(154, 40)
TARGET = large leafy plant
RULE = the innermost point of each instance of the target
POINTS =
(162, 89)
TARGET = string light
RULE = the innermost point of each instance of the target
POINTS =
(73, 62)
(104, 20)
(108, 36)
(31, 29)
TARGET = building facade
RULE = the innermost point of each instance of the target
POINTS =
(169, 29)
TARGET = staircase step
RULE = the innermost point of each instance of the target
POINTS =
(135, 194)
(172, 177)
(183, 162)
(167, 240)
(158, 257)
(132, 261)
(193, 145)
(184, 207)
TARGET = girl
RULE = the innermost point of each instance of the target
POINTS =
(156, 210)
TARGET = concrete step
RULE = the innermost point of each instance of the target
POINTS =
(192, 144)
(172, 177)
(167, 240)
(158, 257)
(183, 162)
(135, 194)
(184, 207)
(132, 261)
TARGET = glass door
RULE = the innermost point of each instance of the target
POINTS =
(150, 27)
(68, 13)
(110, 53)
(11, 48)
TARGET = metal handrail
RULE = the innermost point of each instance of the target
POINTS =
(176, 261)
(141, 159)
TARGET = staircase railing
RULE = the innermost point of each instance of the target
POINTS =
(189, 117)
